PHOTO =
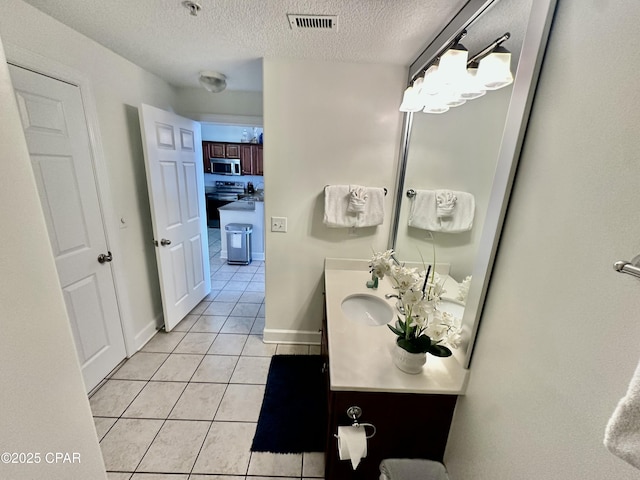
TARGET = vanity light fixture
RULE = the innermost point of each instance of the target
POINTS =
(453, 78)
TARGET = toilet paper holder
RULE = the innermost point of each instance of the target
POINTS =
(355, 413)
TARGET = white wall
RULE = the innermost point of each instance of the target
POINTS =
(119, 87)
(559, 336)
(44, 405)
(199, 104)
(325, 123)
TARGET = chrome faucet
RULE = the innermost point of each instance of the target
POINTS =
(399, 305)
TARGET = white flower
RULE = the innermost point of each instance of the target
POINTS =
(406, 278)
(382, 263)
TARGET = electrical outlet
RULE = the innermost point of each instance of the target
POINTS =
(278, 224)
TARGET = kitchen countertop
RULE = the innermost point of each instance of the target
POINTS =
(360, 355)
(242, 205)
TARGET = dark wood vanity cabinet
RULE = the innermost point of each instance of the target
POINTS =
(407, 425)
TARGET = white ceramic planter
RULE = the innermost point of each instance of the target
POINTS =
(408, 362)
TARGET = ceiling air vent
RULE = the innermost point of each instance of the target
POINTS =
(313, 22)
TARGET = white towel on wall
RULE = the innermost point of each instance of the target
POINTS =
(461, 218)
(357, 199)
(422, 213)
(622, 435)
(336, 201)
(373, 214)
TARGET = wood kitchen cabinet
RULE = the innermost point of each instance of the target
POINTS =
(250, 155)
(251, 159)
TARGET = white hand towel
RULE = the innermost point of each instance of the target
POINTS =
(357, 199)
(373, 214)
(422, 213)
(445, 203)
(336, 201)
(461, 219)
(622, 435)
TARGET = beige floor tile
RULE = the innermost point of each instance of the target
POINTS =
(228, 344)
(245, 310)
(264, 463)
(175, 448)
(228, 296)
(241, 403)
(222, 477)
(103, 424)
(262, 311)
(215, 368)
(127, 441)
(255, 347)
(178, 368)
(195, 343)
(209, 323)
(251, 370)
(160, 476)
(252, 297)
(186, 323)
(292, 349)
(114, 397)
(155, 400)
(219, 308)
(255, 287)
(226, 449)
(313, 464)
(258, 326)
(163, 342)
(140, 366)
(237, 325)
(199, 401)
(201, 307)
(118, 476)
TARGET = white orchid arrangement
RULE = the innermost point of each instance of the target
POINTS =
(425, 329)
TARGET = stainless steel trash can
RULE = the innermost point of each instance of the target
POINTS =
(239, 243)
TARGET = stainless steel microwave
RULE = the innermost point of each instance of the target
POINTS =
(225, 166)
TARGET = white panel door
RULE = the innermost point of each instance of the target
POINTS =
(55, 128)
(175, 178)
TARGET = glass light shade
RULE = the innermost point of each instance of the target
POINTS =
(453, 65)
(411, 101)
(471, 87)
(431, 81)
(436, 104)
(494, 71)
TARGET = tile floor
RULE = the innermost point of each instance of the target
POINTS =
(186, 406)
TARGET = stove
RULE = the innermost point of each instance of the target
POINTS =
(223, 193)
(226, 190)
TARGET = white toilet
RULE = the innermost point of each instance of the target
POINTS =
(412, 469)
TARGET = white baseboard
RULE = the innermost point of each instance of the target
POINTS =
(272, 335)
(144, 335)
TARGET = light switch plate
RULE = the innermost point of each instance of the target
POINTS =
(279, 224)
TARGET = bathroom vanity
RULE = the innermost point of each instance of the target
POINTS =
(411, 413)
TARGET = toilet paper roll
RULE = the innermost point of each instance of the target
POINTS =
(352, 444)
(236, 240)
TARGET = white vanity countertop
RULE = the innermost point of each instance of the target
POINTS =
(360, 355)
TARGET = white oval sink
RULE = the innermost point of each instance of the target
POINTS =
(367, 309)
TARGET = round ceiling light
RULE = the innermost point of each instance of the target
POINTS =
(213, 81)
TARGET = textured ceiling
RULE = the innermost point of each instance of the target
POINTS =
(231, 36)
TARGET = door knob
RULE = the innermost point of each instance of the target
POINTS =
(102, 258)
(164, 242)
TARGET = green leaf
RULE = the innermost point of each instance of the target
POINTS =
(439, 351)
(408, 345)
(423, 343)
(398, 332)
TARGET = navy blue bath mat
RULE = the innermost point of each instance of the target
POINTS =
(293, 417)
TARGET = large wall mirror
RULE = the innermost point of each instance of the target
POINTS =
(472, 148)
